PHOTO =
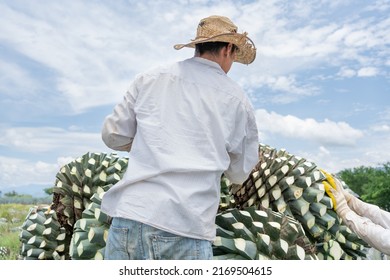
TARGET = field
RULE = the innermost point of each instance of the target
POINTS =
(12, 217)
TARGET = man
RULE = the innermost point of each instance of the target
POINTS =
(184, 125)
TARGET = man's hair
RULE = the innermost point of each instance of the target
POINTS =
(212, 47)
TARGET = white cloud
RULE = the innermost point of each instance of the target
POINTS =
(37, 140)
(87, 45)
(326, 133)
(289, 84)
(385, 114)
(287, 88)
(324, 151)
(371, 151)
(362, 72)
(308, 41)
(309, 138)
(21, 172)
(58, 145)
(336, 161)
(357, 38)
(346, 72)
(381, 128)
(367, 72)
(14, 80)
(378, 152)
(381, 5)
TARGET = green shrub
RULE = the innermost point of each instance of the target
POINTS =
(12, 217)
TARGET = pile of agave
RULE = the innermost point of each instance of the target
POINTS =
(280, 212)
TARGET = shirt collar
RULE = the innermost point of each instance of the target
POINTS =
(207, 62)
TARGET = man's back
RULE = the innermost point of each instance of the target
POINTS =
(190, 123)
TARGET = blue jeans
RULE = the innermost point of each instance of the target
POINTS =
(131, 240)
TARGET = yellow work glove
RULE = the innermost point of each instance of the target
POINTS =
(329, 184)
(334, 189)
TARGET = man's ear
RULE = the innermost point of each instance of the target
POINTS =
(226, 50)
(229, 48)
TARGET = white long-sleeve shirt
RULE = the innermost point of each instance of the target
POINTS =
(371, 223)
(187, 124)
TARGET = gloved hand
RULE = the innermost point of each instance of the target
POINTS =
(334, 189)
(340, 188)
(353, 202)
(339, 202)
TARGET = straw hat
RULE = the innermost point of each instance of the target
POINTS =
(222, 29)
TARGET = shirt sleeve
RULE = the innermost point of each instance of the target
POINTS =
(370, 211)
(243, 151)
(119, 128)
(374, 234)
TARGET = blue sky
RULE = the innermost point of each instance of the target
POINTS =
(320, 83)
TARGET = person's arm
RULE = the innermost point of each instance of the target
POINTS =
(374, 234)
(371, 211)
(119, 128)
(244, 149)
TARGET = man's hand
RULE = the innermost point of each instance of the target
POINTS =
(124, 148)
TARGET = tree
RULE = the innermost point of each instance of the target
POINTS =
(11, 194)
(371, 183)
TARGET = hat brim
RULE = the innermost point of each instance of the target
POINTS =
(246, 52)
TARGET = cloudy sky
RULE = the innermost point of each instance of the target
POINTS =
(320, 83)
